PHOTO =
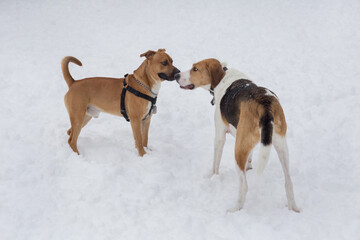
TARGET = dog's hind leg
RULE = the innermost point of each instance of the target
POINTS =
(76, 124)
(242, 151)
(76, 108)
(247, 135)
(281, 148)
(87, 118)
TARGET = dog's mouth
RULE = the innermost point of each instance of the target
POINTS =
(188, 87)
(163, 76)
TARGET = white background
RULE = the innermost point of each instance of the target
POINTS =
(307, 52)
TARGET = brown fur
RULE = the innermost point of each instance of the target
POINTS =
(105, 93)
(280, 126)
(216, 71)
(247, 135)
(209, 72)
(248, 129)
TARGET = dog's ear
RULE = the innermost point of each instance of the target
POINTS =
(216, 72)
(148, 54)
(161, 50)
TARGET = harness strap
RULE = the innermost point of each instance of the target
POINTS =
(122, 105)
(212, 93)
(138, 94)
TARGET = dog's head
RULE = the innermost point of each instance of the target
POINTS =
(206, 73)
(160, 65)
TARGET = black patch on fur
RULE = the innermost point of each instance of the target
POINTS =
(240, 90)
(244, 90)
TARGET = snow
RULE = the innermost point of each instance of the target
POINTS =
(307, 52)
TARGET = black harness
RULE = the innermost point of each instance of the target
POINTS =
(211, 90)
(126, 87)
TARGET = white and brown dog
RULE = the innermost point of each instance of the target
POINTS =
(88, 97)
(250, 113)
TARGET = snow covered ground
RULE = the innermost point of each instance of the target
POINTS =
(308, 52)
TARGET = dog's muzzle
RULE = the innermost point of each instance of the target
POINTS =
(183, 79)
(177, 77)
(171, 77)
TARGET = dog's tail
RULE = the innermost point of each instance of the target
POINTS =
(266, 126)
(65, 69)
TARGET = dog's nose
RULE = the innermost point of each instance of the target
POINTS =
(177, 77)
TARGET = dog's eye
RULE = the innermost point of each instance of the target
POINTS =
(195, 69)
(165, 63)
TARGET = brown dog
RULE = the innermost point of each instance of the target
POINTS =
(88, 97)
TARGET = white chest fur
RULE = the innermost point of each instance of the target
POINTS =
(156, 88)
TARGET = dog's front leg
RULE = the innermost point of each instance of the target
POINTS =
(220, 137)
(136, 128)
(145, 131)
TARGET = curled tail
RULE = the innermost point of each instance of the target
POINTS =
(65, 69)
(266, 126)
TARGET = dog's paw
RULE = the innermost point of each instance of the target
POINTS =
(239, 205)
(234, 209)
(294, 208)
(248, 166)
(141, 152)
(211, 175)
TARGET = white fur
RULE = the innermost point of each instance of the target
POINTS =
(232, 130)
(264, 153)
(281, 148)
(206, 87)
(269, 93)
(243, 188)
(231, 75)
(184, 78)
(220, 137)
(93, 111)
(156, 88)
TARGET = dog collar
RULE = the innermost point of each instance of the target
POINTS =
(212, 93)
(144, 86)
(211, 90)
